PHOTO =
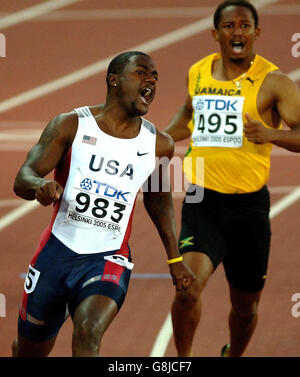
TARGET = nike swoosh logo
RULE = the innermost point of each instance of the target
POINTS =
(252, 81)
(142, 154)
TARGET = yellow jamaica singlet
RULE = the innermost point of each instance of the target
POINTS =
(232, 164)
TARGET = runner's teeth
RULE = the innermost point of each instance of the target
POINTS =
(237, 46)
(146, 92)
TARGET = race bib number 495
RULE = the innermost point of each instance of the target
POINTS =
(98, 204)
(218, 121)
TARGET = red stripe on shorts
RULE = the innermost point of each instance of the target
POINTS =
(112, 272)
(23, 308)
(124, 250)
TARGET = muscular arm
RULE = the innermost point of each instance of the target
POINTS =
(178, 127)
(43, 158)
(159, 205)
(286, 103)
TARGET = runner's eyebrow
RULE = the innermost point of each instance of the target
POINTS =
(232, 21)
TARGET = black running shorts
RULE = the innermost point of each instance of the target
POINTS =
(233, 229)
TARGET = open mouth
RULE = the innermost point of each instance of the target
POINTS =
(237, 47)
(146, 95)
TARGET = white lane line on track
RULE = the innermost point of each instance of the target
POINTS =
(156, 13)
(162, 340)
(32, 12)
(295, 75)
(285, 202)
(98, 67)
(166, 331)
(21, 123)
(10, 202)
(125, 13)
(20, 134)
(15, 214)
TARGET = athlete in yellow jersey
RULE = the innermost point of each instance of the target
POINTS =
(217, 126)
(233, 112)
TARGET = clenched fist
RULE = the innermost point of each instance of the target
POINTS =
(256, 132)
(48, 192)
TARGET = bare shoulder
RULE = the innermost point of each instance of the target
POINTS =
(164, 145)
(53, 144)
(279, 83)
(62, 126)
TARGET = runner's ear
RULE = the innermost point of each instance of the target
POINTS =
(215, 34)
(113, 79)
(257, 32)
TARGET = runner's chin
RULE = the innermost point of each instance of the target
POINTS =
(139, 108)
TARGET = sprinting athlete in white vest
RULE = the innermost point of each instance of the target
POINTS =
(101, 157)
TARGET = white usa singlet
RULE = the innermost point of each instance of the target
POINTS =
(103, 178)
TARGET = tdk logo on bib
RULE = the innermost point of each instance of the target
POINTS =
(216, 104)
(86, 184)
(199, 104)
(103, 189)
(221, 105)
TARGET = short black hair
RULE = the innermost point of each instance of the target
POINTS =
(117, 65)
(238, 3)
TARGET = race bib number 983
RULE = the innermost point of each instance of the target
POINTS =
(98, 204)
(218, 121)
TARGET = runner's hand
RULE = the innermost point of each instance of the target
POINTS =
(256, 132)
(182, 276)
(48, 192)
